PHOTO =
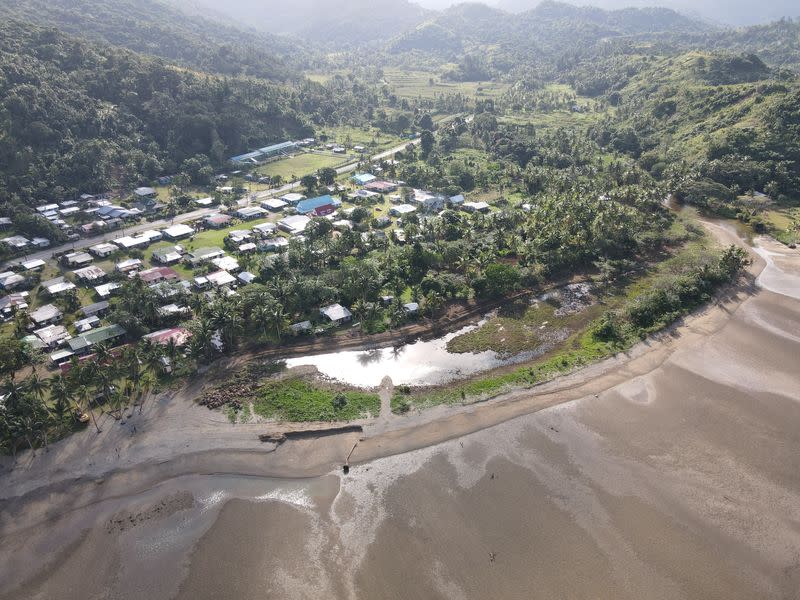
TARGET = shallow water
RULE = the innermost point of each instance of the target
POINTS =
(422, 362)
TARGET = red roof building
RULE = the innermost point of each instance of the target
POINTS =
(159, 274)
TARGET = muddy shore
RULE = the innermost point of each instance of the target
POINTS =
(670, 472)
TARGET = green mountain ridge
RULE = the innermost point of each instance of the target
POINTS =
(156, 28)
(79, 117)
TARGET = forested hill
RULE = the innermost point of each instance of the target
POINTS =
(327, 24)
(728, 122)
(77, 117)
(502, 41)
(156, 28)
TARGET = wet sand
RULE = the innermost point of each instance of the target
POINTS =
(673, 472)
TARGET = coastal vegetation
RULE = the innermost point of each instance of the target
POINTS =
(679, 285)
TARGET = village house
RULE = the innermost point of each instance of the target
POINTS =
(87, 324)
(71, 210)
(300, 328)
(88, 228)
(226, 263)
(250, 213)
(246, 277)
(178, 336)
(456, 201)
(145, 192)
(363, 178)
(16, 242)
(157, 275)
(103, 250)
(97, 309)
(265, 229)
(292, 198)
(178, 232)
(173, 310)
(274, 204)
(171, 289)
(381, 187)
(77, 259)
(221, 278)
(475, 207)
(83, 343)
(10, 280)
(46, 315)
(61, 357)
(363, 195)
(336, 313)
(12, 303)
(167, 256)
(90, 274)
(130, 243)
(106, 290)
(401, 210)
(411, 308)
(126, 266)
(274, 244)
(52, 336)
(57, 286)
(202, 255)
(218, 221)
(320, 206)
(294, 225)
(33, 265)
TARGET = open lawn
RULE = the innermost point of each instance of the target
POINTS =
(373, 139)
(291, 169)
(418, 84)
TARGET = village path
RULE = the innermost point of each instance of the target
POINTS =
(385, 393)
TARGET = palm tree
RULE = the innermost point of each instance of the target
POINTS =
(62, 397)
(36, 386)
(202, 335)
(433, 303)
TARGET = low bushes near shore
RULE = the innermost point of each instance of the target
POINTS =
(296, 399)
(680, 285)
(266, 390)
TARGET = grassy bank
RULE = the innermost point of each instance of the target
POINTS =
(296, 399)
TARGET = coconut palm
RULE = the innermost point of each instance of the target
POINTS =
(36, 386)
(62, 397)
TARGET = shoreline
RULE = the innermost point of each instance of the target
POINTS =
(660, 430)
(381, 438)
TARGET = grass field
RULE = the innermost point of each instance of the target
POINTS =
(291, 169)
(417, 84)
(371, 138)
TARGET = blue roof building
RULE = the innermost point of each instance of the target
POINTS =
(457, 200)
(364, 178)
(308, 206)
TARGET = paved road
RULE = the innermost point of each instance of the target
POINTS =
(196, 214)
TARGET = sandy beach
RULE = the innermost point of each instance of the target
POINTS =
(670, 472)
